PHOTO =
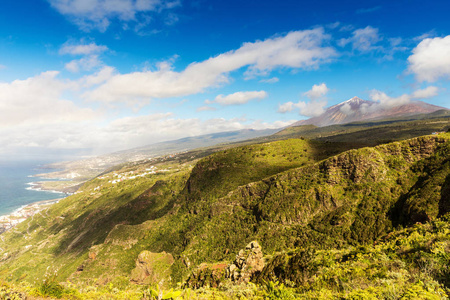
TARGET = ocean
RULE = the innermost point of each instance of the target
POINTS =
(14, 181)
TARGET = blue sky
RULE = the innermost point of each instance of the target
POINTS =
(94, 76)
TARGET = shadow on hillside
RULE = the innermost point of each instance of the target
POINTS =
(93, 226)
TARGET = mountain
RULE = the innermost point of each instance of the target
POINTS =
(319, 216)
(356, 109)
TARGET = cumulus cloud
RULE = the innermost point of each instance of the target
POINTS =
(97, 78)
(431, 59)
(314, 107)
(385, 101)
(286, 107)
(38, 100)
(363, 39)
(238, 98)
(98, 14)
(83, 64)
(34, 113)
(298, 49)
(123, 133)
(317, 91)
(89, 51)
(426, 93)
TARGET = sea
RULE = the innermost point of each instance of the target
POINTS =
(15, 185)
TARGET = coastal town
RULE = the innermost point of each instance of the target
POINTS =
(9, 221)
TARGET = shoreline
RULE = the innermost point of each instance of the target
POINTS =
(39, 187)
(65, 187)
(22, 213)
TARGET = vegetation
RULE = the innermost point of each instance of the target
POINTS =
(334, 223)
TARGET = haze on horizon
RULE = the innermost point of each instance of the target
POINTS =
(89, 77)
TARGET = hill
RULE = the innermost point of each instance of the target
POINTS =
(180, 213)
(345, 136)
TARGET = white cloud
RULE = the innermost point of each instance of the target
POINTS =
(298, 49)
(428, 92)
(317, 91)
(98, 14)
(363, 39)
(270, 80)
(133, 131)
(34, 114)
(385, 101)
(238, 98)
(90, 53)
(97, 78)
(312, 108)
(38, 100)
(73, 48)
(130, 132)
(431, 59)
(83, 64)
(347, 109)
(426, 35)
(286, 107)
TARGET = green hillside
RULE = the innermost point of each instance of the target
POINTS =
(168, 216)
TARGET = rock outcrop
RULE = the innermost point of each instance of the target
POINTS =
(152, 267)
(207, 276)
(248, 263)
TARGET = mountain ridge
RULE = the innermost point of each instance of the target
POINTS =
(356, 109)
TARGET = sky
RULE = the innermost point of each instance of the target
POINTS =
(86, 77)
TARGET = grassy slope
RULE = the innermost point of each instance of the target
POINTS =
(106, 213)
(280, 193)
(347, 199)
(374, 132)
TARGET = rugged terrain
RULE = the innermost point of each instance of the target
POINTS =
(298, 217)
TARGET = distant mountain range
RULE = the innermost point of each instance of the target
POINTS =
(356, 109)
(89, 167)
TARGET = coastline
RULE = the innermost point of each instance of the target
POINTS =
(21, 214)
(57, 187)
(39, 187)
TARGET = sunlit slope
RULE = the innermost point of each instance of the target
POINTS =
(285, 194)
(61, 237)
